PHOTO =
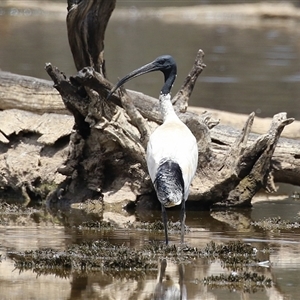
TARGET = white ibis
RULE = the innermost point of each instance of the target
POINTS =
(172, 152)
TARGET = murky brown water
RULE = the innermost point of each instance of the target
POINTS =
(282, 261)
(254, 68)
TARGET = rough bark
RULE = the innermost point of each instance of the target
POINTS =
(86, 24)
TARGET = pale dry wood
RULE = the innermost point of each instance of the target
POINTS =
(183, 95)
(38, 95)
(286, 154)
(29, 93)
(236, 120)
(285, 160)
(50, 127)
(135, 116)
(91, 80)
(260, 175)
(241, 168)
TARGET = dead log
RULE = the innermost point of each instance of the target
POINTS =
(285, 161)
(30, 94)
(39, 96)
(86, 24)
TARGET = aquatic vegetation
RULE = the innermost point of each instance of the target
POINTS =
(98, 255)
(129, 262)
(96, 225)
(276, 224)
(234, 255)
(249, 282)
(103, 255)
(156, 226)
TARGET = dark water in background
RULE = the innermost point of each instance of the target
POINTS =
(249, 68)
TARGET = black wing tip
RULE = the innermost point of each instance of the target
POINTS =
(169, 183)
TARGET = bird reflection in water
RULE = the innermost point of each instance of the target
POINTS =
(166, 288)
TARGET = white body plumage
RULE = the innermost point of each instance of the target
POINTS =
(172, 141)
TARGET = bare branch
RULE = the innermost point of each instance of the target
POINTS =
(183, 95)
(86, 24)
(135, 116)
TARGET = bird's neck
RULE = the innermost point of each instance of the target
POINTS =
(166, 107)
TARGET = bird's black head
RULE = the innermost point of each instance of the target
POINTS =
(164, 63)
(167, 65)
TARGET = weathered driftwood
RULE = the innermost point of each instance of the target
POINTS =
(285, 161)
(86, 24)
(32, 148)
(30, 94)
(39, 96)
(107, 147)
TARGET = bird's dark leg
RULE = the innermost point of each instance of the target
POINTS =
(182, 220)
(165, 221)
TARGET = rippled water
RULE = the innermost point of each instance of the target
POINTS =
(249, 68)
(281, 263)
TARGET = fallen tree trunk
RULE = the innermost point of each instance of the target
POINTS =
(39, 96)
(285, 161)
(30, 94)
(107, 146)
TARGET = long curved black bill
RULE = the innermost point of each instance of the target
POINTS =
(140, 71)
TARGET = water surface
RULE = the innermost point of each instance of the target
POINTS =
(278, 250)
